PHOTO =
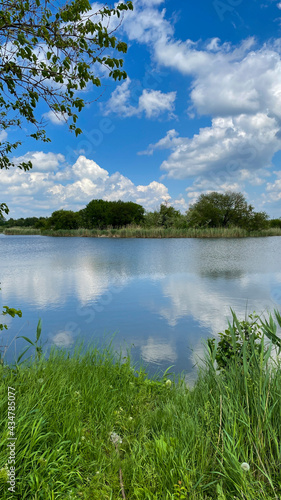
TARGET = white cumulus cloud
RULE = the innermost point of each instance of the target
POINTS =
(273, 189)
(151, 103)
(242, 142)
(237, 86)
(46, 188)
(41, 162)
(89, 181)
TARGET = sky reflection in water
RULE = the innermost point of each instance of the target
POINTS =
(161, 296)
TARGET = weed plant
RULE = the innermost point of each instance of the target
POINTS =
(90, 426)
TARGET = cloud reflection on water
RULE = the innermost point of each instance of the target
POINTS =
(157, 351)
(181, 290)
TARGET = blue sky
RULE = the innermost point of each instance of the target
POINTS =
(199, 112)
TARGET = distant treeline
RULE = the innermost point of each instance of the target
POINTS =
(210, 211)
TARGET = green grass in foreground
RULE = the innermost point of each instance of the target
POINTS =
(177, 443)
(154, 232)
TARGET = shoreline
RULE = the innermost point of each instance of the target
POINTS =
(140, 232)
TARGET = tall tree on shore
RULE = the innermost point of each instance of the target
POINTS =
(100, 214)
(224, 210)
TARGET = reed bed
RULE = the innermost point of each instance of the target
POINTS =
(90, 426)
(156, 232)
(273, 231)
(21, 231)
(143, 232)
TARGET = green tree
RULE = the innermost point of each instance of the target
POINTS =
(151, 219)
(42, 223)
(165, 217)
(95, 214)
(3, 222)
(63, 219)
(170, 217)
(257, 221)
(30, 221)
(225, 210)
(275, 222)
(49, 54)
(122, 213)
(19, 222)
(100, 214)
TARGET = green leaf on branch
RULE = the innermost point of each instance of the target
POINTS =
(69, 39)
(12, 312)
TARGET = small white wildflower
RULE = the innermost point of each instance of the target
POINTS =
(83, 438)
(115, 438)
(168, 383)
(245, 466)
(97, 472)
(130, 418)
(40, 380)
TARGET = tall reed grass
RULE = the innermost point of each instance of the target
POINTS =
(91, 426)
(21, 231)
(154, 232)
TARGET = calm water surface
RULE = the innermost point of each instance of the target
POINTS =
(161, 296)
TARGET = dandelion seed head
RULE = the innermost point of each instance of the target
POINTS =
(245, 466)
(115, 438)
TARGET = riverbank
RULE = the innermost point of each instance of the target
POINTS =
(91, 427)
(142, 232)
